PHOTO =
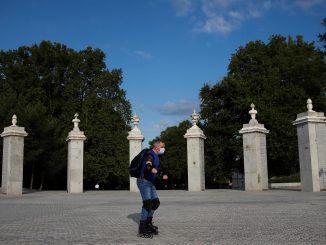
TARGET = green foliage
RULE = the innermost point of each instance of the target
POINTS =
(174, 161)
(286, 179)
(278, 77)
(322, 37)
(45, 85)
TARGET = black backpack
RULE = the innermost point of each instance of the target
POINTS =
(136, 163)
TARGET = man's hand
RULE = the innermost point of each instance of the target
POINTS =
(165, 177)
(154, 171)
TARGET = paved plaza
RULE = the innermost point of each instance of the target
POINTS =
(209, 217)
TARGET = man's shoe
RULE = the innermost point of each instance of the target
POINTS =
(144, 230)
(153, 228)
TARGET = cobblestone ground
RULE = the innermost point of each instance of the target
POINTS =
(209, 217)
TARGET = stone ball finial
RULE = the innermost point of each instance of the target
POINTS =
(14, 120)
(135, 120)
(195, 118)
(309, 105)
(76, 121)
(253, 112)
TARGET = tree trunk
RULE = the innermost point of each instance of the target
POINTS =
(42, 180)
(32, 177)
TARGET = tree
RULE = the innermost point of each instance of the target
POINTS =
(174, 161)
(322, 37)
(45, 85)
(278, 77)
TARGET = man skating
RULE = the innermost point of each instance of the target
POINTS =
(147, 189)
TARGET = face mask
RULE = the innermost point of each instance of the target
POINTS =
(162, 150)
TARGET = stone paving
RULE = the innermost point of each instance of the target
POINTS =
(209, 217)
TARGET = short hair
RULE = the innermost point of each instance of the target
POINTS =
(157, 143)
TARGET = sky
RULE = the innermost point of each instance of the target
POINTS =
(166, 49)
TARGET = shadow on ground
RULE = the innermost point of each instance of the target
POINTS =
(134, 217)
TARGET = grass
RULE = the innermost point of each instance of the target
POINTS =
(285, 179)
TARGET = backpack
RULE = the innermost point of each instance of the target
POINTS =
(136, 164)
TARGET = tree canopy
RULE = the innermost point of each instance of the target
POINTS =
(278, 77)
(322, 37)
(45, 85)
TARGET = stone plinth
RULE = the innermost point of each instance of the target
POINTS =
(311, 131)
(12, 159)
(135, 146)
(255, 154)
(195, 156)
(75, 140)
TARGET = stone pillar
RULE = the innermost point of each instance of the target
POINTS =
(12, 159)
(255, 154)
(75, 140)
(195, 156)
(311, 130)
(135, 146)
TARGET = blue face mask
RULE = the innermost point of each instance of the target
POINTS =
(162, 150)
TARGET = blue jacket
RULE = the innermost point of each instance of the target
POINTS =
(150, 161)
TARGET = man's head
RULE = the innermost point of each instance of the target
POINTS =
(158, 147)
